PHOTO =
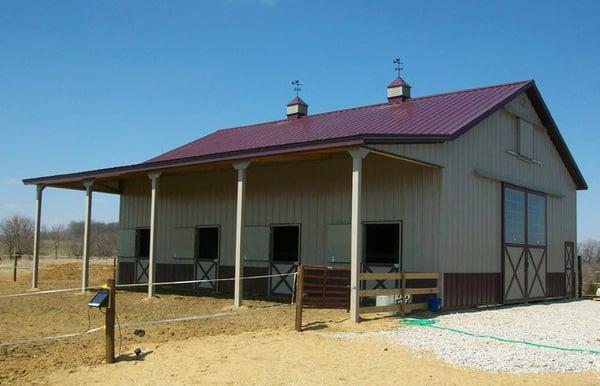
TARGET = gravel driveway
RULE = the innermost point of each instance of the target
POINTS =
(568, 325)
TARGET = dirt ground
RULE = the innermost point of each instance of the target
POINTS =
(252, 345)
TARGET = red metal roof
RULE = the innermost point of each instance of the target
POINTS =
(439, 116)
(434, 118)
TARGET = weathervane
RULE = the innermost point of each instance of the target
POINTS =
(297, 86)
(399, 66)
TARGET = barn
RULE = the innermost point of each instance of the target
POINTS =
(478, 185)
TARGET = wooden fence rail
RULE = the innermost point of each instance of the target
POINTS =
(401, 292)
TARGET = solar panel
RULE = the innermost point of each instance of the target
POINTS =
(100, 299)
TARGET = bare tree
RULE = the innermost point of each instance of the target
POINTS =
(17, 234)
(57, 235)
(75, 248)
(590, 250)
(104, 239)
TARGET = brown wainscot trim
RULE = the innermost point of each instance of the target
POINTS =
(467, 290)
(555, 284)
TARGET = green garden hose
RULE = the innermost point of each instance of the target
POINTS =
(432, 324)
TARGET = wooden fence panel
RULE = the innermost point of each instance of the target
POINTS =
(418, 284)
(326, 286)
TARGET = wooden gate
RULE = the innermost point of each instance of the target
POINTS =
(570, 269)
(326, 286)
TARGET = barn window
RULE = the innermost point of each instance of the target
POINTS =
(382, 243)
(524, 210)
(536, 219)
(207, 243)
(142, 243)
(514, 216)
(285, 243)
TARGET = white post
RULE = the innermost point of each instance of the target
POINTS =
(154, 177)
(36, 235)
(239, 223)
(85, 276)
(358, 155)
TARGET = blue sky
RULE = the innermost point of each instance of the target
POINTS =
(92, 84)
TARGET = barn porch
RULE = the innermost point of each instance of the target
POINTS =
(265, 215)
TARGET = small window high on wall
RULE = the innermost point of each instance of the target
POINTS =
(382, 243)
(526, 145)
(524, 216)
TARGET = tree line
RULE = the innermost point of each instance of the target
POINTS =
(58, 240)
(589, 250)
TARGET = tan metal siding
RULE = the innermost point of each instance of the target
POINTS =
(311, 193)
(470, 215)
(451, 217)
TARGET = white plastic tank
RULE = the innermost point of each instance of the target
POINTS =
(385, 301)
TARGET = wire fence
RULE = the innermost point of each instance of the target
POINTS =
(41, 339)
(90, 330)
(133, 285)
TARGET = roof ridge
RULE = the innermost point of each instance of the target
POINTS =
(380, 104)
(472, 89)
(339, 111)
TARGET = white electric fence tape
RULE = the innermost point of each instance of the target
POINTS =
(132, 324)
(144, 285)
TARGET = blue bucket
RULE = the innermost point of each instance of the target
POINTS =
(434, 304)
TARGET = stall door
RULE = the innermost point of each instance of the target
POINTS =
(142, 251)
(207, 257)
(570, 269)
(381, 252)
(285, 257)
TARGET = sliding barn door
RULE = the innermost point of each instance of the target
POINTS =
(536, 273)
(524, 252)
(514, 274)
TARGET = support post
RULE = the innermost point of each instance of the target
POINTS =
(85, 275)
(299, 297)
(239, 223)
(154, 177)
(579, 278)
(358, 155)
(17, 257)
(36, 235)
(109, 334)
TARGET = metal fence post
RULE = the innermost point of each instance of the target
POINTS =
(579, 278)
